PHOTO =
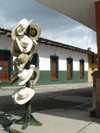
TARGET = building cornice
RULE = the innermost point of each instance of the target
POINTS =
(52, 43)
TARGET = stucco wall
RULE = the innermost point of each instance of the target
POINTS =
(44, 52)
(44, 58)
(5, 42)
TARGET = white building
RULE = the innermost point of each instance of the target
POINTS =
(58, 63)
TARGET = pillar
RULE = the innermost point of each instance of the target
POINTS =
(97, 14)
(96, 75)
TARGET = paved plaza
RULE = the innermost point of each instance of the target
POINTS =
(60, 109)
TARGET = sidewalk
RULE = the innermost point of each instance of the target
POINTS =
(62, 121)
(49, 88)
(69, 120)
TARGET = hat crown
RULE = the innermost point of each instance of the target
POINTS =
(23, 93)
(25, 39)
(24, 42)
(22, 26)
(23, 75)
(23, 22)
(22, 58)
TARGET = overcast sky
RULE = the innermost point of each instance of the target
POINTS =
(54, 25)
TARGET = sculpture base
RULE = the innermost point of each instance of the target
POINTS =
(26, 121)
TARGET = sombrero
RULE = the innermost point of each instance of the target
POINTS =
(14, 78)
(24, 43)
(25, 75)
(21, 61)
(20, 28)
(23, 95)
(35, 76)
(35, 32)
(34, 49)
(15, 51)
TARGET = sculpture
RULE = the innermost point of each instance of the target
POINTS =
(23, 47)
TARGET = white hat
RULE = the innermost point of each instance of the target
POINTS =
(23, 95)
(21, 61)
(35, 76)
(34, 49)
(24, 43)
(14, 78)
(20, 28)
(15, 51)
(35, 32)
(25, 75)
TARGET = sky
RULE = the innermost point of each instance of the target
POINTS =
(54, 25)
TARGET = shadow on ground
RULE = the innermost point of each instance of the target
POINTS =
(40, 102)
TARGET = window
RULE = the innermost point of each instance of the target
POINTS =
(54, 67)
(4, 57)
(4, 63)
(69, 67)
(93, 61)
(4, 69)
(82, 68)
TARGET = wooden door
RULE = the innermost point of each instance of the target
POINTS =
(69, 70)
(81, 70)
(53, 70)
(4, 65)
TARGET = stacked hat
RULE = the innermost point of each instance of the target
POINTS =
(35, 32)
(23, 47)
(20, 29)
(21, 61)
(35, 76)
(23, 95)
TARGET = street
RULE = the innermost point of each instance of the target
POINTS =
(45, 98)
(48, 100)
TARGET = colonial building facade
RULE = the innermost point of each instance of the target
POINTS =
(58, 63)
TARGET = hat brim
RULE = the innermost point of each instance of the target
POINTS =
(13, 52)
(34, 49)
(14, 78)
(14, 63)
(30, 72)
(35, 76)
(19, 65)
(38, 32)
(14, 31)
(23, 101)
(28, 48)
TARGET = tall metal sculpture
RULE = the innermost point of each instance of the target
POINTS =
(24, 47)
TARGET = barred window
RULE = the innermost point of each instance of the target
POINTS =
(54, 67)
(82, 68)
(69, 67)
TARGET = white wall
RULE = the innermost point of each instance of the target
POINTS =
(45, 51)
(5, 42)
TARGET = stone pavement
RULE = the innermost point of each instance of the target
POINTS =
(69, 120)
(62, 121)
